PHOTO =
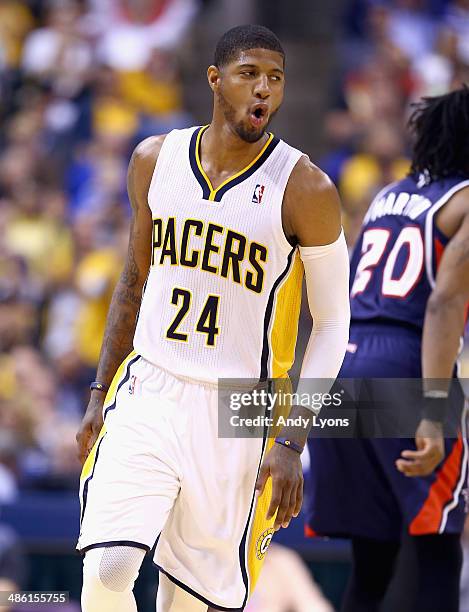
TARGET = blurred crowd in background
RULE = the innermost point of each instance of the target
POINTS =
(81, 82)
(80, 85)
(390, 54)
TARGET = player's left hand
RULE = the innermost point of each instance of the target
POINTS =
(430, 450)
(283, 465)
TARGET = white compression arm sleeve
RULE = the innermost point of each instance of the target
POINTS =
(327, 283)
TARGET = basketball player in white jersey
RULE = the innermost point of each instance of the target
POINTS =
(227, 219)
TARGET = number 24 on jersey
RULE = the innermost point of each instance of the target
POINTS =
(207, 322)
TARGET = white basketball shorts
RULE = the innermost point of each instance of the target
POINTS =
(158, 470)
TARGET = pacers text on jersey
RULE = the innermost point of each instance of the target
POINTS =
(211, 248)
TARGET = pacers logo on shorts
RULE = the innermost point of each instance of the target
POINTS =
(263, 542)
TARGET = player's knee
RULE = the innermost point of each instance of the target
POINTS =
(113, 568)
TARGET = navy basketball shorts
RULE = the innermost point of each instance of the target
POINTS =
(353, 487)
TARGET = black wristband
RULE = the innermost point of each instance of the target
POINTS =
(289, 444)
(97, 386)
(434, 407)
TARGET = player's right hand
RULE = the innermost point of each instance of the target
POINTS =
(283, 465)
(90, 426)
(430, 450)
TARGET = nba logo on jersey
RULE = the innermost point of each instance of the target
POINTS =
(258, 193)
(132, 381)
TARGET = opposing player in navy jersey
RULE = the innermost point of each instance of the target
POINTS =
(409, 292)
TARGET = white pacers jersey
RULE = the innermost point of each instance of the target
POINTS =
(223, 294)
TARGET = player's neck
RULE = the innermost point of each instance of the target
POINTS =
(222, 150)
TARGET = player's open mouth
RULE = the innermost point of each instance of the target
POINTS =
(258, 114)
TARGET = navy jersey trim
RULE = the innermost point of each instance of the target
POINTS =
(242, 546)
(194, 593)
(215, 195)
(195, 167)
(122, 382)
(88, 480)
(268, 315)
(111, 407)
(112, 543)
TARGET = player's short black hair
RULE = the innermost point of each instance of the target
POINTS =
(242, 38)
(440, 126)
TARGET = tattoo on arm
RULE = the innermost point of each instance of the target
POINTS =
(122, 316)
(127, 296)
(120, 329)
(129, 276)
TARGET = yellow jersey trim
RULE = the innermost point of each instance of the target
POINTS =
(215, 194)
